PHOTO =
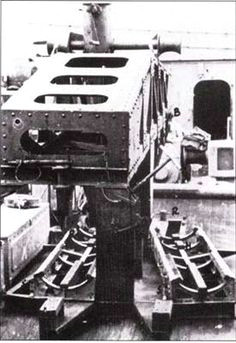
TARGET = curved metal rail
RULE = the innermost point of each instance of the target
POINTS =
(79, 243)
(52, 285)
(183, 238)
(172, 247)
(194, 291)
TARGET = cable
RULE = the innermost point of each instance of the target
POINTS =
(30, 181)
(114, 201)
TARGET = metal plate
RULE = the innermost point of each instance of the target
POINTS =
(24, 231)
(114, 126)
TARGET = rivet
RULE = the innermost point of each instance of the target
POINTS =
(80, 115)
(4, 147)
(29, 114)
(46, 114)
(4, 123)
(63, 115)
(13, 114)
(124, 126)
(4, 135)
(4, 173)
(123, 138)
(4, 160)
(113, 116)
(97, 115)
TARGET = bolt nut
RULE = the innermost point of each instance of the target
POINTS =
(4, 147)
(4, 135)
(29, 114)
(13, 114)
(4, 123)
(46, 114)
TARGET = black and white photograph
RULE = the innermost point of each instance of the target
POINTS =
(117, 171)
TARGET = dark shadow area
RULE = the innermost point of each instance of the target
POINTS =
(212, 107)
(97, 62)
(84, 80)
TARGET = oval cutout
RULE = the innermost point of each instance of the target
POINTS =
(82, 99)
(48, 142)
(84, 80)
(97, 62)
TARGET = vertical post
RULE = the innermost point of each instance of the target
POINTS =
(115, 251)
(64, 204)
(51, 314)
(97, 34)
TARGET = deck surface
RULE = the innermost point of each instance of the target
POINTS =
(19, 326)
(209, 204)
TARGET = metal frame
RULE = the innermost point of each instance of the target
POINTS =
(120, 120)
(188, 264)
